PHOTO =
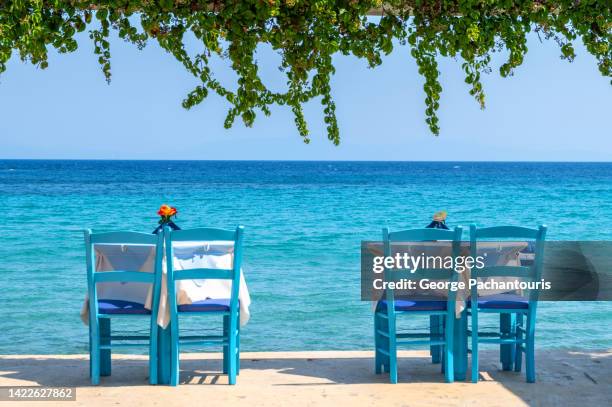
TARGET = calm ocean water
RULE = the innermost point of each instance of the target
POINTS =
(304, 223)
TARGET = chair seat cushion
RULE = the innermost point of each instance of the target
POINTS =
(207, 305)
(503, 301)
(110, 307)
(416, 305)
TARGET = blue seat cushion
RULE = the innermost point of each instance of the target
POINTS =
(503, 301)
(416, 305)
(207, 305)
(110, 307)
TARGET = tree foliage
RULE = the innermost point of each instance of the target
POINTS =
(306, 34)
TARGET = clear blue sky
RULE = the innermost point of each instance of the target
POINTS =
(549, 110)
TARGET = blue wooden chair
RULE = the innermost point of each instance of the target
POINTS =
(514, 336)
(228, 308)
(386, 337)
(102, 310)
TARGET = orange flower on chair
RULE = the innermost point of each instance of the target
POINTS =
(166, 212)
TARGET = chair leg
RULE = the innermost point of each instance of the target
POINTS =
(232, 351)
(443, 348)
(174, 379)
(392, 349)
(105, 354)
(506, 351)
(238, 345)
(384, 344)
(475, 361)
(393, 363)
(449, 364)
(174, 357)
(518, 359)
(530, 351)
(164, 346)
(94, 356)
(153, 354)
(530, 361)
(226, 353)
(518, 350)
(434, 331)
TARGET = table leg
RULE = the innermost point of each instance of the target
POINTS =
(90, 364)
(460, 346)
(507, 327)
(163, 355)
(105, 354)
(434, 332)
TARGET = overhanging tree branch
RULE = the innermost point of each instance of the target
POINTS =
(307, 33)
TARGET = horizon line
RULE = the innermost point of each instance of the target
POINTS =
(300, 160)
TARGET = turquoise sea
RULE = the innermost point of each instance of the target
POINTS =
(304, 223)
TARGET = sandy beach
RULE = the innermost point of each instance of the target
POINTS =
(565, 377)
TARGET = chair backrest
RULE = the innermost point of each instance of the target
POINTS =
(204, 235)
(95, 277)
(422, 235)
(531, 272)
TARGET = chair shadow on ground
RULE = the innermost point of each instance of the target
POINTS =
(207, 370)
(588, 370)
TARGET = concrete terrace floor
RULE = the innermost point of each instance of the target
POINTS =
(330, 378)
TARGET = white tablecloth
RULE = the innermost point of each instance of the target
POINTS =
(494, 253)
(187, 255)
